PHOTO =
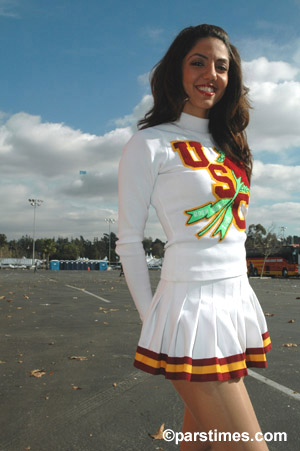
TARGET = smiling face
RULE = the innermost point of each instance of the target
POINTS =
(205, 76)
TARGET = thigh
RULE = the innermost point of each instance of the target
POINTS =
(224, 407)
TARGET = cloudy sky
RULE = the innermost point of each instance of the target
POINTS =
(74, 81)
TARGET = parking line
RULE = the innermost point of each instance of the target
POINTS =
(273, 384)
(87, 292)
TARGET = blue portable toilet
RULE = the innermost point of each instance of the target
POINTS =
(54, 265)
(103, 266)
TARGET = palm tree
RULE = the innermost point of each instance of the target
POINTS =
(49, 249)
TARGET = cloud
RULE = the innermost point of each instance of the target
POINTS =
(43, 160)
(155, 34)
(296, 53)
(99, 185)
(6, 7)
(280, 214)
(143, 79)
(27, 145)
(274, 182)
(275, 97)
(275, 196)
(139, 111)
(261, 70)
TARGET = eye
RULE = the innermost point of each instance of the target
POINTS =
(197, 63)
(222, 68)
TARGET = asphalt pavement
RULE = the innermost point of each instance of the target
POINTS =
(67, 381)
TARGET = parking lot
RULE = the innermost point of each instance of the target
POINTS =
(79, 331)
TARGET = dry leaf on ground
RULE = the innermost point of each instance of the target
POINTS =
(159, 434)
(269, 314)
(74, 357)
(291, 321)
(74, 387)
(290, 345)
(37, 373)
(2, 297)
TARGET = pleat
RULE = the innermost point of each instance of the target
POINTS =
(208, 330)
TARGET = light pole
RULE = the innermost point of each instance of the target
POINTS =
(35, 203)
(110, 221)
(282, 230)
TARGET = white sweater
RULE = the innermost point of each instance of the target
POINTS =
(200, 197)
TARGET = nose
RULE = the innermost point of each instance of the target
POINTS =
(210, 72)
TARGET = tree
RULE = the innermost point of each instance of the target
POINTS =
(147, 244)
(255, 236)
(270, 245)
(81, 244)
(12, 247)
(3, 240)
(263, 240)
(24, 246)
(69, 252)
(113, 240)
(49, 249)
(158, 248)
(3, 245)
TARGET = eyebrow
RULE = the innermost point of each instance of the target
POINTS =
(225, 60)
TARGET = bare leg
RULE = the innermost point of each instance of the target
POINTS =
(190, 425)
(224, 407)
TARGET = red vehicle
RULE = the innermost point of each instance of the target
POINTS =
(284, 262)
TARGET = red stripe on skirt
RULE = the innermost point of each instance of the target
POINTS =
(246, 357)
(195, 362)
(192, 377)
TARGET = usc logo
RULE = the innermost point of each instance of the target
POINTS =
(231, 189)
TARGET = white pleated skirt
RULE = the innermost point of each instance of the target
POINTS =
(203, 331)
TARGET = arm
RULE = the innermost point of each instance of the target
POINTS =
(136, 181)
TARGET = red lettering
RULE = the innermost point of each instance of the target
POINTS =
(191, 154)
(222, 191)
(238, 201)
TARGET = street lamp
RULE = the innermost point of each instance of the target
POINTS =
(35, 203)
(282, 230)
(109, 221)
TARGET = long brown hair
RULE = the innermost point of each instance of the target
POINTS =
(227, 119)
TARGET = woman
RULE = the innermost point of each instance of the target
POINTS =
(191, 161)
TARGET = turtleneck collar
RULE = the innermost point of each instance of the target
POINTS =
(193, 123)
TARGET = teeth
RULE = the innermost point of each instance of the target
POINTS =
(205, 88)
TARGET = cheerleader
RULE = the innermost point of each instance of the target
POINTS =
(190, 160)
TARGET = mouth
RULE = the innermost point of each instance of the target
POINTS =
(206, 90)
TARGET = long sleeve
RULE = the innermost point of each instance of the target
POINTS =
(136, 181)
